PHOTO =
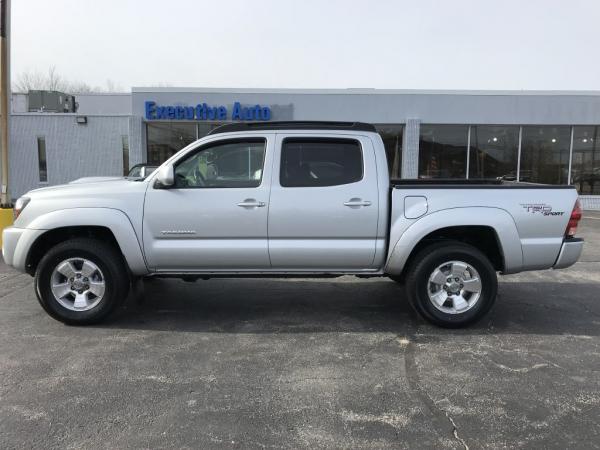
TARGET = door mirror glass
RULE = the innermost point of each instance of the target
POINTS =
(165, 177)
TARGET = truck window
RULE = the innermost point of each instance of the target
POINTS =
(230, 164)
(307, 162)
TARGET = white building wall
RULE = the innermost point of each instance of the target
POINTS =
(72, 150)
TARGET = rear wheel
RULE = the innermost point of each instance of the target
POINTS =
(81, 281)
(451, 284)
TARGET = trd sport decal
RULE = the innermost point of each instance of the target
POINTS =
(542, 208)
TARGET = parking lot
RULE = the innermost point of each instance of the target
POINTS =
(307, 363)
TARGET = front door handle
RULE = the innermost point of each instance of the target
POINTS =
(353, 202)
(251, 203)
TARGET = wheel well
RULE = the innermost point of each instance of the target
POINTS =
(481, 237)
(52, 237)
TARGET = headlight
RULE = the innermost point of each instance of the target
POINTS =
(20, 205)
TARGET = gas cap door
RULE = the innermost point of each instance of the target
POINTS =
(415, 206)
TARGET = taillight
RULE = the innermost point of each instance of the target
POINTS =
(574, 220)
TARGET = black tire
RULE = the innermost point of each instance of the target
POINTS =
(426, 262)
(105, 257)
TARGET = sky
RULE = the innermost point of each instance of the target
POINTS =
(425, 44)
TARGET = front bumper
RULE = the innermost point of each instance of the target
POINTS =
(16, 243)
(569, 253)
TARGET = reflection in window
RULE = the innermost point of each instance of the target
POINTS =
(224, 165)
(42, 161)
(164, 139)
(392, 141)
(443, 151)
(585, 171)
(545, 154)
(494, 151)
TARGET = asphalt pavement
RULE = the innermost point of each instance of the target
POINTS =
(305, 363)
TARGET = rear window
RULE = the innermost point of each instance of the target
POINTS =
(309, 162)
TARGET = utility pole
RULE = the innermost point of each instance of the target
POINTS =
(4, 97)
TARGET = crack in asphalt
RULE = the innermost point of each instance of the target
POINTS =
(440, 416)
(455, 432)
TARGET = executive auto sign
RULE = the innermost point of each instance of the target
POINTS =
(202, 111)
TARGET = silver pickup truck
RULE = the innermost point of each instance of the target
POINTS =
(299, 199)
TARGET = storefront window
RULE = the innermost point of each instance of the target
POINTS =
(164, 139)
(545, 154)
(494, 151)
(443, 151)
(204, 128)
(392, 141)
(585, 168)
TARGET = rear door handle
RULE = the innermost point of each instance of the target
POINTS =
(357, 202)
(251, 203)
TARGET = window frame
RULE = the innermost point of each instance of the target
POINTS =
(216, 143)
(309, 138)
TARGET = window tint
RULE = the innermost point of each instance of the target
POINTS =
(167, 138)
(443, 151)
(494, 151)
(320, 162)
(224, 165)
(545, 154)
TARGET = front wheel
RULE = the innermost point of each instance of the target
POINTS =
(451, 284)
(81, 281)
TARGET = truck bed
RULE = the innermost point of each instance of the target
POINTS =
(531, 217)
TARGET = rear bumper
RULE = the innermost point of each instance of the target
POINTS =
(569, 253)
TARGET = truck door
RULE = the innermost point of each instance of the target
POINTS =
(324, 204)
(215, 216)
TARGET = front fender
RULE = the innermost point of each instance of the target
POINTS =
(113, 219)
(405, 235)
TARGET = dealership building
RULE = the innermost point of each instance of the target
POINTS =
(534, 136)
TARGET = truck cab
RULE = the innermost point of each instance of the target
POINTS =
(264, 201)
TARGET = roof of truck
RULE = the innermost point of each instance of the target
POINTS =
(293, 125)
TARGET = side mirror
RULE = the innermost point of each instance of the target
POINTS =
(165, 177)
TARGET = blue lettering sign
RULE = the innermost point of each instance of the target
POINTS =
(150, 110)
(202, 111)
(162, 112)
(237, 111)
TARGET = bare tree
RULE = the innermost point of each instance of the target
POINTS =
(53, 81)
(112, 86)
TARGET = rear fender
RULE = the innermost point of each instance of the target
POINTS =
(405, 235)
